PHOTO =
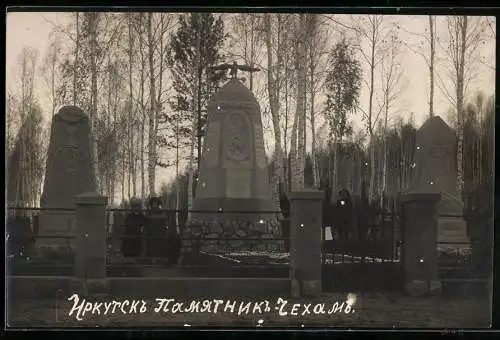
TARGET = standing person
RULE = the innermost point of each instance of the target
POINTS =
(156, 229)
(173, 240)
(362, 213)
(344, 213)
(135, 222)
(285, 224)
(21, 238)
(327, 203)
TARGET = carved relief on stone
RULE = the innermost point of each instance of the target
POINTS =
(238, 138)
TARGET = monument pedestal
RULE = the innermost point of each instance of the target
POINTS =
(452, 228)
(452, 233)
(56, 230)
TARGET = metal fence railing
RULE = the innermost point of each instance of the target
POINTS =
(366, 241)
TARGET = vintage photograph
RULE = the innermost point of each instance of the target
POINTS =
(224, 169)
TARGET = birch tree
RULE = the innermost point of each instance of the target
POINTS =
(274, 26)
(297, 147)
(247, 41)
(424, 44)
(372, 32)
(391, 78)
(343, 84)
(50, 70)
(465, 37)
(317, 53)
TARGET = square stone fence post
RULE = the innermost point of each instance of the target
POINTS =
(306, 241)
(91, 248)
(419, 256)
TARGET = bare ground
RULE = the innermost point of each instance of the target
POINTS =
(370, 310)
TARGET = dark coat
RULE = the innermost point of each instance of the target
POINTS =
(344, 214)
(21, 237)
(327, 208)
(132, 243)
(155, 233)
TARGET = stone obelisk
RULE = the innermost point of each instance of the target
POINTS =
(435, 172)
(233, 177)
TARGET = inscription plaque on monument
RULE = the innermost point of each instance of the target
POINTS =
(238, 183)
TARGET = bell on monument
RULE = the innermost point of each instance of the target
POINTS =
(233, 196)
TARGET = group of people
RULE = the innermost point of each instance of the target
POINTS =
(345, 216)
(153, 234)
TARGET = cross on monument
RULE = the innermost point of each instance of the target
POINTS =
(234, 67)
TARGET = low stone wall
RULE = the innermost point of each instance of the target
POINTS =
(196, 287)
(231, 235)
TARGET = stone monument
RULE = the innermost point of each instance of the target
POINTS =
(435, 171)
(233, 177)
(69, 172)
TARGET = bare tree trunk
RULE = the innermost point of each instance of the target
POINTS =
(94, 19)
(274, 106)
(77, 60)
(384, 141)
(123, 179)
(152, 113)
(301, 98)
(130, 139)
(177, 179)
(370, 118)
(460, 93)
(432, 25)
(336, 165)
(190, 167)
(143, 112)
(312, 96)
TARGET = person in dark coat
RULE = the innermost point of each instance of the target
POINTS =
(174, 242)
(21, 238)
(344, 213)
(156, 229)
(362, 213)
(285, 224)
(327, 202)
(135, 222)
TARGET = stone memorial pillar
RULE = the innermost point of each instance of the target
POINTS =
(69, 172)
(233, 195)
(419, 236)
(91, 250)
(435, 171)
(305, 240)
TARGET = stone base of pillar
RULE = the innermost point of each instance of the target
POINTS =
(295, 288)
(90, 286)
(310, 288)
(418, 288)
(435, 287)
(226, 235)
